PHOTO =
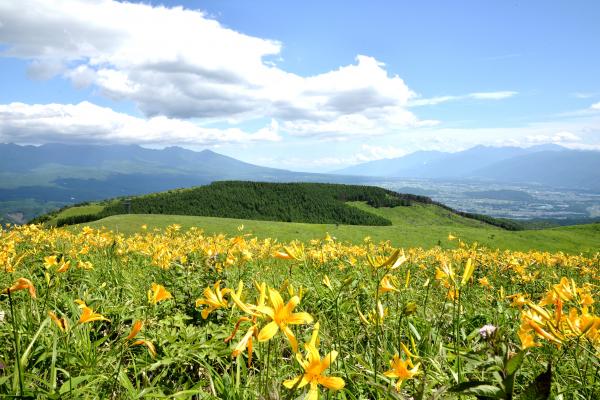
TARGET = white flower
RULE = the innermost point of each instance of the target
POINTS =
(487, 331)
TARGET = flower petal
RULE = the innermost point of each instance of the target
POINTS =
(290, 335)
(313, 393)
(243, 344)
(332, 382)
(294, 301)
(268, 331)
(300, 318)
(267, 311)
(328, 359)
(290, 383)
(276, 299)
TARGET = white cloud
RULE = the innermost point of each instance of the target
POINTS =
(595, 106)
(319, 163)
(561, 137)
(477, 96)
(584, 95)
(371, 153)
(179, 63)
(492, 95)
(89, 123)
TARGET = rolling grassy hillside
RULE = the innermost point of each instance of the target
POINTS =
(310, 211)
(415, 226)
(317, 203)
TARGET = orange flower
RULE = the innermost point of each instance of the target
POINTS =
(22, 284)
(135, 329)
(88, 315)
(484, 282)
(526, 338)
(314, 367)
(281, 316)
(148, 344)
(60, 322)
(158, 293)
(400, 370)
(246, 343)
(387, 285)
(213, 300)
(64, 265)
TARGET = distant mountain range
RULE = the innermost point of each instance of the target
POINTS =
(35, 179)
(75, 173)
(551, 165)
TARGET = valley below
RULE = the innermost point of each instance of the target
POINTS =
(502, 200)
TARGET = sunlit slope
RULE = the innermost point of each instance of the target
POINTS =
(76, 210)
(414, 226)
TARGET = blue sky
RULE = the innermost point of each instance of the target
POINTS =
(306, 85)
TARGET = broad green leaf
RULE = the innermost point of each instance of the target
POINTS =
(514, 363)
(478, 388)
(73, 383)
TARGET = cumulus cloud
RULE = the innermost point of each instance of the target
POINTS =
(179, 63)
(477, 96)
(89, 123)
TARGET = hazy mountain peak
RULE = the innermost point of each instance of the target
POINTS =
(575, 168)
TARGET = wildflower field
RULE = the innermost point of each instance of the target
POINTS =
(88, 313)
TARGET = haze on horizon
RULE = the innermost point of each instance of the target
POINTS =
(311, 86)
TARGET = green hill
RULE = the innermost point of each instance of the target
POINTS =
(287, 202)
(348, 212)
(316, 203)
(306, 211)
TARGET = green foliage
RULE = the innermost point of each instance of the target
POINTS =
(95, 360)
(287, 202)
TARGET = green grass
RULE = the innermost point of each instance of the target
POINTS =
(76, 210)
(415, 226)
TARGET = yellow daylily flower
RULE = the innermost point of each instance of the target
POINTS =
(89, 315)
(85, 265)
(468, 272)
(567, 290)
(213, 299)
(246, 343)
(446, 272)
(387, 285)
(484, 282)
(402, 370)
(64, 265)
(314, 367)
(158, 293)
(281, 316)
(50, 261)
(526, 338)
(291, 252)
